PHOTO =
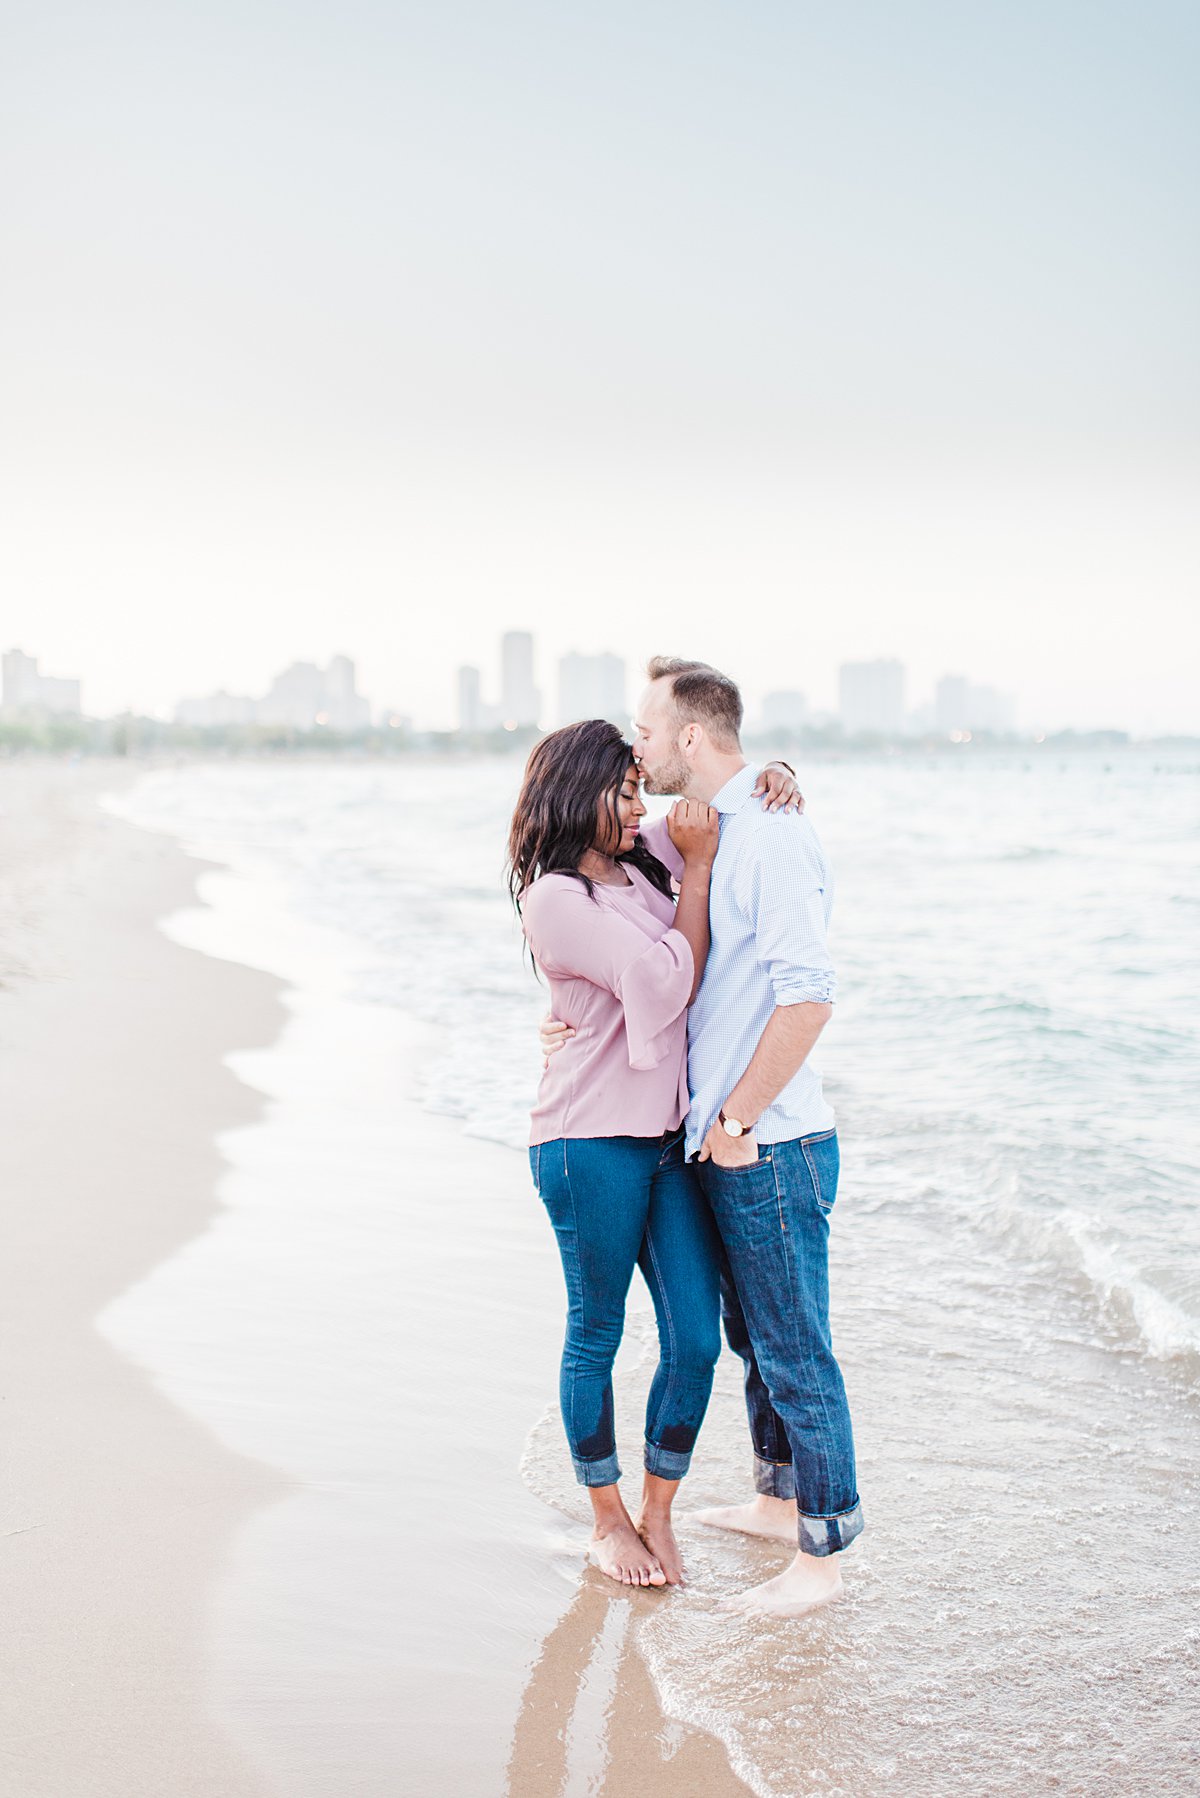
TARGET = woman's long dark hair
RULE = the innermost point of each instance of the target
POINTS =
(568, 776)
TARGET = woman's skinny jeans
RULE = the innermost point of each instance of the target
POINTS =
(617, 1202)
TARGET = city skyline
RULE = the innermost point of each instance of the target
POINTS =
(872, 700)
(369, 333)
(430, 705)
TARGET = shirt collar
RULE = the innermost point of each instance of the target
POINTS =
(737, 790)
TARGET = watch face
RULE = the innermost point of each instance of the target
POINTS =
(732, 1127)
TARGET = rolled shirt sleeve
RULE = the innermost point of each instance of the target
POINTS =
(572, 936)
(787, 877)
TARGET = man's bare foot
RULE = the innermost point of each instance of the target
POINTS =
(619, 1551)
(654, 1527)
(763, 1516)
(810, 1581)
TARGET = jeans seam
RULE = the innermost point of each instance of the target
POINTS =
(664, 1405)
(816, 1178)
(817, 1385)
(582, 1312)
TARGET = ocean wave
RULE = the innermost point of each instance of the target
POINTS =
(1166, 1329)
(1069, 1239)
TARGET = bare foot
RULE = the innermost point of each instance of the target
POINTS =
(763, 1516)
(619, 1551)
(810, 1581)
(654, 1527)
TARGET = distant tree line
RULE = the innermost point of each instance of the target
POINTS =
(132, 735)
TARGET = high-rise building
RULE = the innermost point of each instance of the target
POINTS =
(470, 702)
(784, 710)
(302, 697)
(295, 698)
(472, 711)
(592, 687)
(960, 705)
(950, 706)
(520, 701)
(23, 689)
(217, 708)
(871, 698)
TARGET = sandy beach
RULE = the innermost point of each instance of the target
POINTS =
(287, 1507)
(243, 1593)
(118, 1508)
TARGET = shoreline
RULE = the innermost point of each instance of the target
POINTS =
(372, 1315)
(205, 1512)
(119, 1508)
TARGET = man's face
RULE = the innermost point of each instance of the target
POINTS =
(656, 733)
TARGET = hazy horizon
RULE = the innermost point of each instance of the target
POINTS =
(775, 338)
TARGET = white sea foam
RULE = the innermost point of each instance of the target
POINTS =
(1166, 1329)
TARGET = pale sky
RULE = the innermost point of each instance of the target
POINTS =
(779, 335)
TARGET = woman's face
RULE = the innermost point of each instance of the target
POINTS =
(630, 812)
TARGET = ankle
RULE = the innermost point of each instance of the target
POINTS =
(819, 1567)
(773, 1507)
(611, 1521)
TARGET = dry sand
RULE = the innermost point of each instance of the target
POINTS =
(119, 1510)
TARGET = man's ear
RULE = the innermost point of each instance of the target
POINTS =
(693, 736)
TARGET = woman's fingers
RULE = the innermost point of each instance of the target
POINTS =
(553, 1035)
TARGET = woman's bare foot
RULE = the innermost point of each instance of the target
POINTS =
(763, 1516)
(654, 1527)
(810, 1581)
(618, 1550)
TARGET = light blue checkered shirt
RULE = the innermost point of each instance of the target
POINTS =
(769, 906)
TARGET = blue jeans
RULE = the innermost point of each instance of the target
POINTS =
(773, 1217)
(616, 1203)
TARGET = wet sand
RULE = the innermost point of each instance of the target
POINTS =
(265, 1529)
(117, 1507)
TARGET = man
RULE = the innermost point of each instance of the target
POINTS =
(759, 1126)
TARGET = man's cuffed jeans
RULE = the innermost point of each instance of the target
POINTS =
(773, 1217)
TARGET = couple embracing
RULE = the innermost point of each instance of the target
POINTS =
(680, 1124)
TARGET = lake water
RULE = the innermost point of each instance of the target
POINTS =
(1015, 1063)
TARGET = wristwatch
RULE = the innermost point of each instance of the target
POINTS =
(731, 1126)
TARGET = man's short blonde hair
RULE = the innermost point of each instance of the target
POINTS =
(702, 695)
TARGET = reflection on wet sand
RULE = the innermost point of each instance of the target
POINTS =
(590, 1720)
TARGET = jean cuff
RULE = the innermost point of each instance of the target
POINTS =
(774, 1479)
(829, 1535)
(605, 1472)
(666, 1463)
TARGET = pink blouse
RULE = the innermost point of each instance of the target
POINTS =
(621, 975)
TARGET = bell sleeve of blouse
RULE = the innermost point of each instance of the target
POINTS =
(572, 936)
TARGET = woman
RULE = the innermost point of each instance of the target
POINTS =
(624, 961)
